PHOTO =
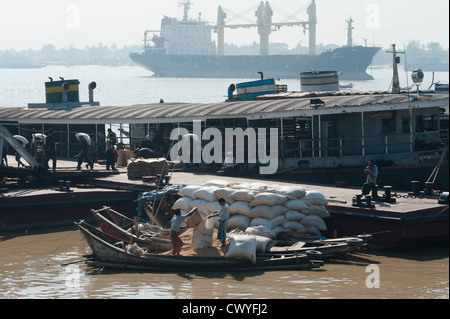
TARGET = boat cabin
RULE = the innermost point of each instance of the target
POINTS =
(314, 130)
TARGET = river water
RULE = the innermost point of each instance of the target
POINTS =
(32, 266)
(31, 262)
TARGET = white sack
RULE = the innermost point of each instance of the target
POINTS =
(268, 212)
(238, 221)
(206, 193)
(292, 225)
(242, 246)
(318, 210)
(296, 204)
(297, 192)
(268, 199)
(188, 191)
(259, 230)
(240, 208)
(294, 215)
(244, 195)
(200, 204)
(225, 193)
(182, 203)
(217, 183)
(314, 197)
(315, 221)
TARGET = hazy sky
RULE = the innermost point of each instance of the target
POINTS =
(77, 23)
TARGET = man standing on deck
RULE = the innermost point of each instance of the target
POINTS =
(175, 225)
(224, 216)
(372, 174)
(84, 154)
(50, 149)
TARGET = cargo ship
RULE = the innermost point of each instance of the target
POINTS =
(185, 49)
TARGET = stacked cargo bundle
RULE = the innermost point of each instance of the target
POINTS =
(260, 209)
(137, 168)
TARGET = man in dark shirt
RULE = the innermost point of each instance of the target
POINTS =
(50, 149)
(144, 153)
(84, 154)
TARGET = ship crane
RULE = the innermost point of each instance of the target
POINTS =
(265, 27)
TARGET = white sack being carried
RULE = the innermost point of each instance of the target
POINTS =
(202, 235)
(268, 199)
(188, 191)
(315, 221)
(225, 193)
(240, 208)
(314, 197)
(296, 204)
(268, 212)
(242, 246)
(206, 193)
(238, 222)
(244, 195)
(182, 203)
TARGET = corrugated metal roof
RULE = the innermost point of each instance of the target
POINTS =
(188, 111)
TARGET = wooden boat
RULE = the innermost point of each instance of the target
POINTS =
(150, 246)
(121, 234)
(109, 255)
(329, 248)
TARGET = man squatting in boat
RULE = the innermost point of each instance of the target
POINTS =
(372, 173)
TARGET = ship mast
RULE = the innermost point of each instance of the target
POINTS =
(350, 29)
(265, 26)
(312, 21)
(395, 77)
(187, 6)
(264, 22)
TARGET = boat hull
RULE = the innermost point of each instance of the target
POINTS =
(351, 62)
(391, 230)
(48, 208)
(108, 255)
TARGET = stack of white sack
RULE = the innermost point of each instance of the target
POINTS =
(260, 208)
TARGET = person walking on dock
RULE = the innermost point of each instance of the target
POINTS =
(50, 149)
(110, 162)
(84, 154)
(372, 173)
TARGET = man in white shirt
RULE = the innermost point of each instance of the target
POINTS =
(175, 225)
(372, 174)
(224, 216)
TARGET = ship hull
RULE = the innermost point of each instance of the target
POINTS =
(351, 62)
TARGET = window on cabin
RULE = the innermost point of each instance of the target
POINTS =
(388, 125)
